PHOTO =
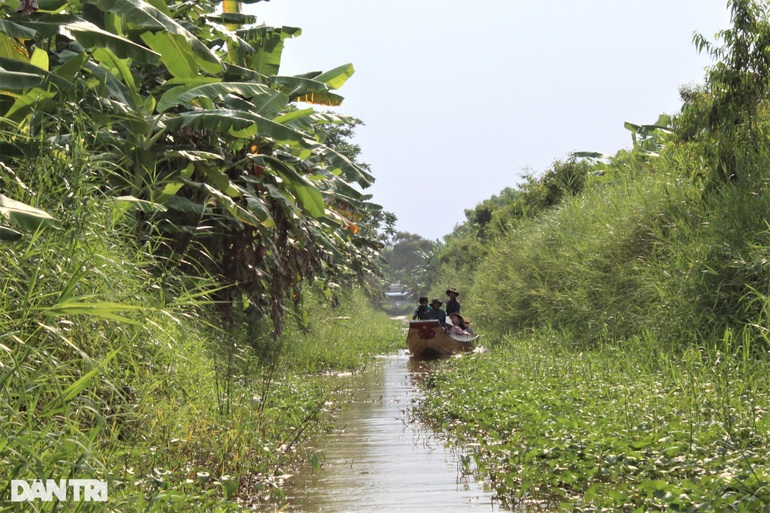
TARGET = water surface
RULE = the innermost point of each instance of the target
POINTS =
(379, 458)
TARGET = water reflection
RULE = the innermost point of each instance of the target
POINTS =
(380, 459)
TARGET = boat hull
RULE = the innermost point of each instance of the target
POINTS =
(426, 339)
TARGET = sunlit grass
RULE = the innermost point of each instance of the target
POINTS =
(340, 338)
(623, 426)
(114, 366)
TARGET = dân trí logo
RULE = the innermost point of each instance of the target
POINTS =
(88, 490)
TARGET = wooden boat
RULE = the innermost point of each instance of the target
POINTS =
(426, 339)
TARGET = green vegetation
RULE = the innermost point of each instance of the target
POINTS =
(197, 134)
(624, 303)
(622, 427)
(183, 253)
(407, 256)
(105, 374)
(186, 255)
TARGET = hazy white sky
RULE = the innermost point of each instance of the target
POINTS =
(462, 97)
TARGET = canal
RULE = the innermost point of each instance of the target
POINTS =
(381, 458)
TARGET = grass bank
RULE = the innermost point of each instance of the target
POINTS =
(112, 368)
(620, 427)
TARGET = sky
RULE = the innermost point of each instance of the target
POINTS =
(460, 99)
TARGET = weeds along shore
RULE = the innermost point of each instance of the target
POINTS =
(621, 427)
(627, 349)
(110, 370)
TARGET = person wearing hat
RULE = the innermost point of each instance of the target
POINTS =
(452, 305)
(459, 326)
(435, 312)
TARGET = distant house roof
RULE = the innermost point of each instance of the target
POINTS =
(406, 294)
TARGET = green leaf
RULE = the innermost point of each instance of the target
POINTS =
(115, 87)
(100, 309)
(268, 42)
(16, 31)
(238, 49)
(33, 99)
(308, 196)
(11, 49)
(24, 215)
(186, 94)
(175, 52)
(91, 36)
(336, 78)
(306, 119)
(144, 17)
(9, 234)
(10, 65)
(257, 205)
(220, 180)
(82, 383)
(108, 59)
(630, 126)
(225, 120)
(160, 5)
(185, 205)
(294, 115)
(656, 128)
(320, 98)
(238, 213)
(71, 67)
(40, 59)
(232, 18)
(194, 155)
(214, 120)
(338, 163)
(18, 81)
(308, 90)
(297, 85)
(130, 202)
(592, 155)
(51, 5)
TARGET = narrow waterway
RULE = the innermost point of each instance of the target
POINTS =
(380, 458)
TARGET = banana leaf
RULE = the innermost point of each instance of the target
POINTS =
(9, 234)
(18, 80)
(23, 215)
(143, 16)
(268, 101)
(174, 52)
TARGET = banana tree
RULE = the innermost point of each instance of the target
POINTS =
(205, 135)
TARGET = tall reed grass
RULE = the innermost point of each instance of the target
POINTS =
(650, 251)
(116, 366)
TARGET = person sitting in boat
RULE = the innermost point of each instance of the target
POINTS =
(459, 326)
(452, 304)
(421, 312)
(436, 312)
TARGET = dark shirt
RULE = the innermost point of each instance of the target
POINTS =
(438, 314)
(452, 306)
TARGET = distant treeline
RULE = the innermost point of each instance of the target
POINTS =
(669, 237)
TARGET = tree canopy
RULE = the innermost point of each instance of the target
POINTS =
(199, 138)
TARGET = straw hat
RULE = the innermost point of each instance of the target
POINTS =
(459, 318)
